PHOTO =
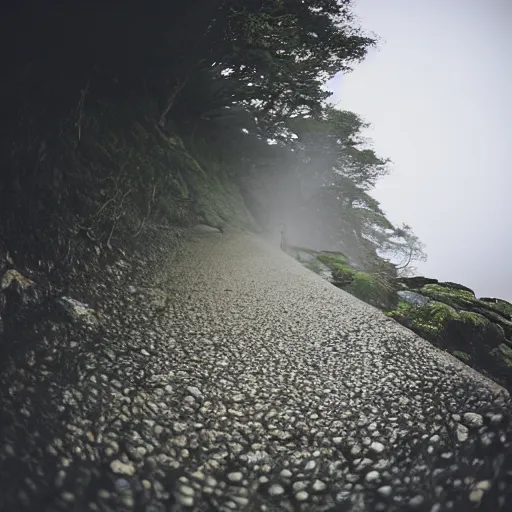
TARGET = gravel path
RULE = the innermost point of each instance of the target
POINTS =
(238, 380)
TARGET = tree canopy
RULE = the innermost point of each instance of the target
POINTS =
(246, 78)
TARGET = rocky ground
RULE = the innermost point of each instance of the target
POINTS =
(229, 377)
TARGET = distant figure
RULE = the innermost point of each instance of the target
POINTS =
(284, 242)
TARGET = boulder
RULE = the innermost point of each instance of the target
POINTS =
(19, 290)
(469, 335)
(417, 282)
(416, 299)
(77, 312)
(456, 286)
(501, 306)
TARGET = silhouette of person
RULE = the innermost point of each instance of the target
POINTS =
(284, 242)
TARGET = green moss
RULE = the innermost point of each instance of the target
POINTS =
(313, 265)
(500, 306)
(461, 355)
(373, 290)
(473, 318)
(337, 263)
(451, 296)
(430, 318)
(504, 354)
(332, 260)
(344, 273)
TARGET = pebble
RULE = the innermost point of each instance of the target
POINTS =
(301, 496)
(483, 484)
(235, 476)
(372, 476)
(195, 392)
(186, 501)
(473, 420)
(476, 495)
(319, 486)
(299, 486)
(496, 418)
(69, 497)
(416, 501)
(286, 473)
(121, 468)
(186, 490)
(377, 447)
(385, 490)
(276, 490)
(462, 433)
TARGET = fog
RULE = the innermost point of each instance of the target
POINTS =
(438, 95)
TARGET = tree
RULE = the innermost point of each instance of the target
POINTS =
(404, 248)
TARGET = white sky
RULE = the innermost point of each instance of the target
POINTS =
(438, 93)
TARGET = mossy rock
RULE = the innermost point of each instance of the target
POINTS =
(341, 273)
(456, 286)
(462, 356)
(332, 260)
(456, 298)
(460, 332)
(416, 282)
(500, 305)
(373, 290)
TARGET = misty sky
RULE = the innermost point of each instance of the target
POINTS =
(438, 93)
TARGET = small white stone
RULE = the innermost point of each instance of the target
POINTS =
(144, 352)
(462, 433)
(385, 490)
(67, 496)
(476, 495)
(416, 501)
(241, 500)
(435, 438)
(187, 501)
(122, 469)
(337, 440)
(286, 473)
(299, 486)
(301, 496)
(319, 486)
(235, 477)
(377, 447)
(496, 418)
(355, 450)
(372, 476)
(186, 490)
(310, 465)
(276, 490)
(474, 420)
(179, 427)
(210, 481)
(483, 484)
(195, 392)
